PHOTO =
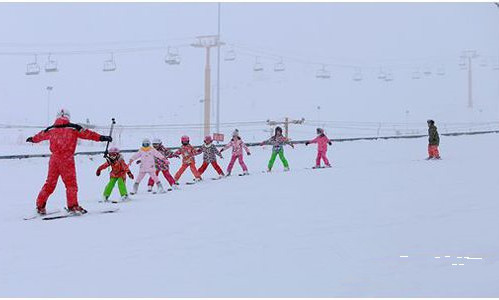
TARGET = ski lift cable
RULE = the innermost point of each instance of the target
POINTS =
(94, 51)
(384, 62)
(92, 44)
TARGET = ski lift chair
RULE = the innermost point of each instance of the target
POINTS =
(230, 55)
(51, 65)
(381, 75)
(279, 66)
(109, 65)
(483, 62)
(416, 75)
(441, 71)
(357, 76)
(258, 67)
(323, 73)
(172, 58)
(33, 68)
(463, 65)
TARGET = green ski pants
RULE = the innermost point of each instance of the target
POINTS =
(110, 186)
(281, 157)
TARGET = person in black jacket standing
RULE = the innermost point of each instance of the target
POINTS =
(433, 141)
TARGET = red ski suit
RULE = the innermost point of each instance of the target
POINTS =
(62, 145)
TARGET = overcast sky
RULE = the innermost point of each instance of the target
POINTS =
(396, 37)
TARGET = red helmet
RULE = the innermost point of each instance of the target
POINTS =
(184, 139)
(208, 139)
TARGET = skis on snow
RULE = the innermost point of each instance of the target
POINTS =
(70, 215)
(37, 215)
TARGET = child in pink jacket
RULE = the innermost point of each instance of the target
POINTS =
(146, 155)
(322, 141)
(237, 145)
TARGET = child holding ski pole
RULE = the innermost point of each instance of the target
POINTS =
(147, 165)
(187, 152)
(162, 165)
(119, 171)
(278, 141)
(237, 145)
(322, 141)
(210, 153)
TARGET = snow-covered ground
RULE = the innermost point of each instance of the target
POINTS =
(306, 233)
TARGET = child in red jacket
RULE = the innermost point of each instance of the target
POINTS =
(322, 141)
(119, 170)
(187, 152)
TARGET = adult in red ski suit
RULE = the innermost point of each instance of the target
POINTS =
(63, 137)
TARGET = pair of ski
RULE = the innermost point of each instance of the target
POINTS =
(218, 178)
(57, 214)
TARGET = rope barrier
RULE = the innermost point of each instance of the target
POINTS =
(24, 156)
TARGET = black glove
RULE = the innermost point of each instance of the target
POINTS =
(329, 143)
(138, 162)
(306, 143)
(29, 140)
(105, 138)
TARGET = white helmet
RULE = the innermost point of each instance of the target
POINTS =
(63, 113)
(146, 143)
(156, 141)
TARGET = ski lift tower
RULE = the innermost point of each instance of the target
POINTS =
(207, 42)
(468, 57)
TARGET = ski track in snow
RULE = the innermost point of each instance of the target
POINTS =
(371, 226)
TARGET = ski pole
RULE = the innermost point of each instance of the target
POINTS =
(110, 134)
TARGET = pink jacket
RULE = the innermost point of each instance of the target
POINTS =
(321, 141)
(237, 146)
(146, 156)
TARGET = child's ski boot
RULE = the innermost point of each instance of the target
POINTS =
(161, 190)
(149, 188)
(135, 188)
(41, 211)
(76, 210)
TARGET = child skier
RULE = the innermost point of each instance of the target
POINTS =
(433, 141)
(147, 165)
(278, 141)
(187, 152)
(119, 170)
(322, 141)
(237, 145)
(162, 165)
(210, 153)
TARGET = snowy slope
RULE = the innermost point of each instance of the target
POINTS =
(330, 232)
